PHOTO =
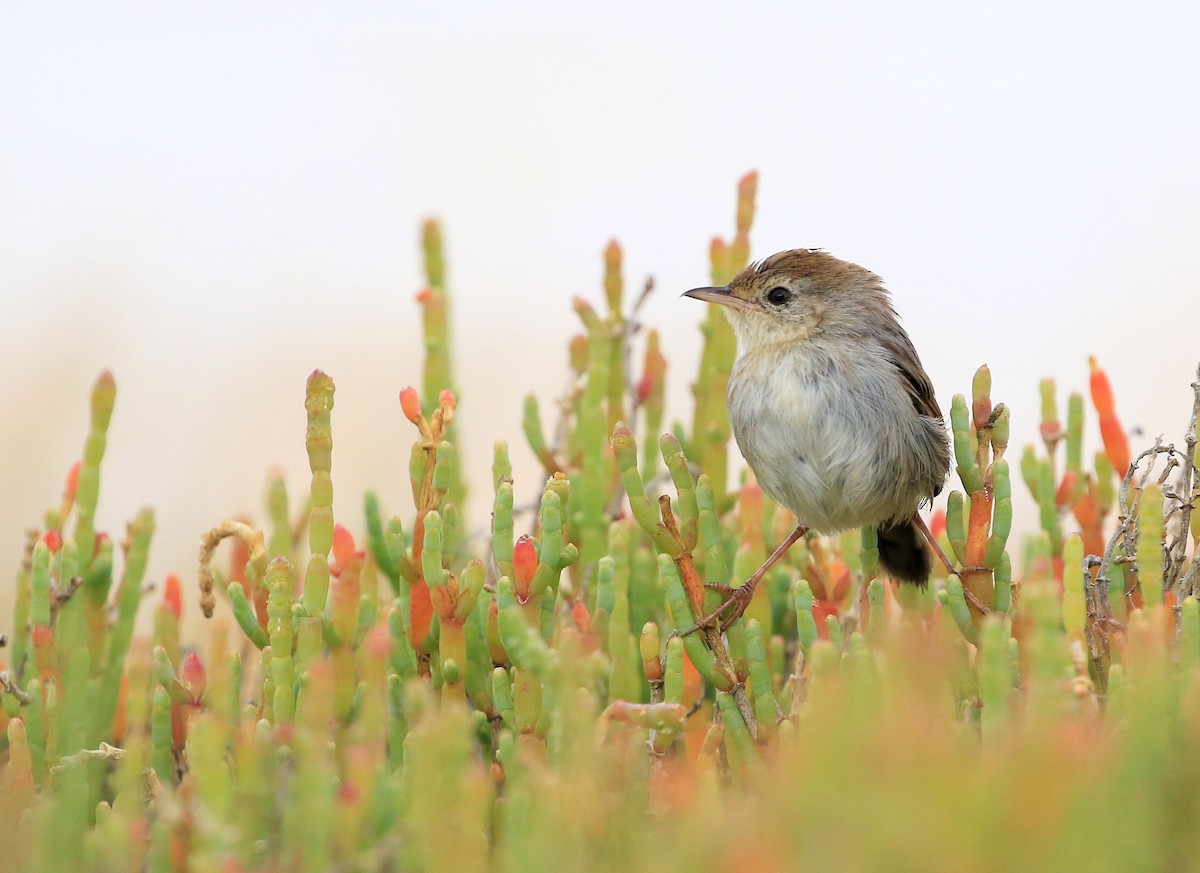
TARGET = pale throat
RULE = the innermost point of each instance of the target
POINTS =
(759, 332)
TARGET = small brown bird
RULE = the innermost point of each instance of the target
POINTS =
(831, 408)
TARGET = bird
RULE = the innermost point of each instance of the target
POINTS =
(832, 410)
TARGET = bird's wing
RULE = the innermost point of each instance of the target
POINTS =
(900, 349)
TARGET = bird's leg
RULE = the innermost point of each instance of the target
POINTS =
(739, 598)
(937, 550)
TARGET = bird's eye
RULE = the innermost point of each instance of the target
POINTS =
(778, 296)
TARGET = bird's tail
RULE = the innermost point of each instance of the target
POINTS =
(903, 552)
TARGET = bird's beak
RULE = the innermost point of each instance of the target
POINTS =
(720, 295)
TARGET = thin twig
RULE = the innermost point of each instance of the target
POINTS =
(1187, 484)
(7, 683)
(1126, 530)
(106, 752)
(32, 535)
(61, 597)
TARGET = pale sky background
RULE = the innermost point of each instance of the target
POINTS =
(213, 199)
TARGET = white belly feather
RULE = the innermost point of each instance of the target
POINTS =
(837, 458)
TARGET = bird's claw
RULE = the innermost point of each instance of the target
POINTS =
(737, 598)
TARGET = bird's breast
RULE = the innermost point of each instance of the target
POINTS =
(822, 438)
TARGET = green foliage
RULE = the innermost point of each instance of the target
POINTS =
(526, 700)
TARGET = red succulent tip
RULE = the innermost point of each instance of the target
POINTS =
(424, 294)
(525, 562)
(645, 386)
(173, 595)
(581, 617)
(410, 404)
(193, 677)
(53, 541)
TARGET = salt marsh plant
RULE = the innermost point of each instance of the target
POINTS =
(385, 692)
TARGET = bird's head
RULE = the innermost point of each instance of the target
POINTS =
(793, 295)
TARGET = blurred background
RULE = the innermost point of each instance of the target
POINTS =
(214, 199)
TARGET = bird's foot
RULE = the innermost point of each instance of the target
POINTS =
(968, 594)
(730, 610)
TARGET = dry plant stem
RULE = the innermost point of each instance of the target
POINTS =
(1126, 530)
(106, 752)
(61, 597)
(950, 568)
(1100, 621)
(32, 535)
(253, 540)
(694, 589)
(687, 567)
(1187, 484)
(10, 687)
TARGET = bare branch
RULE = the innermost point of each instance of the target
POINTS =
(1188, 485)
(7, 683)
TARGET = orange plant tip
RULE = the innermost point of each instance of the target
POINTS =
(581, 617)
(53, 540)
(423, 295)
(410, 404)
(1086, 511)
(1065, 489)
(1102, 395)
(525, 562)
(447, 399)
(420, 612)
(73, 480)
(173, 595)
(343, 545)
